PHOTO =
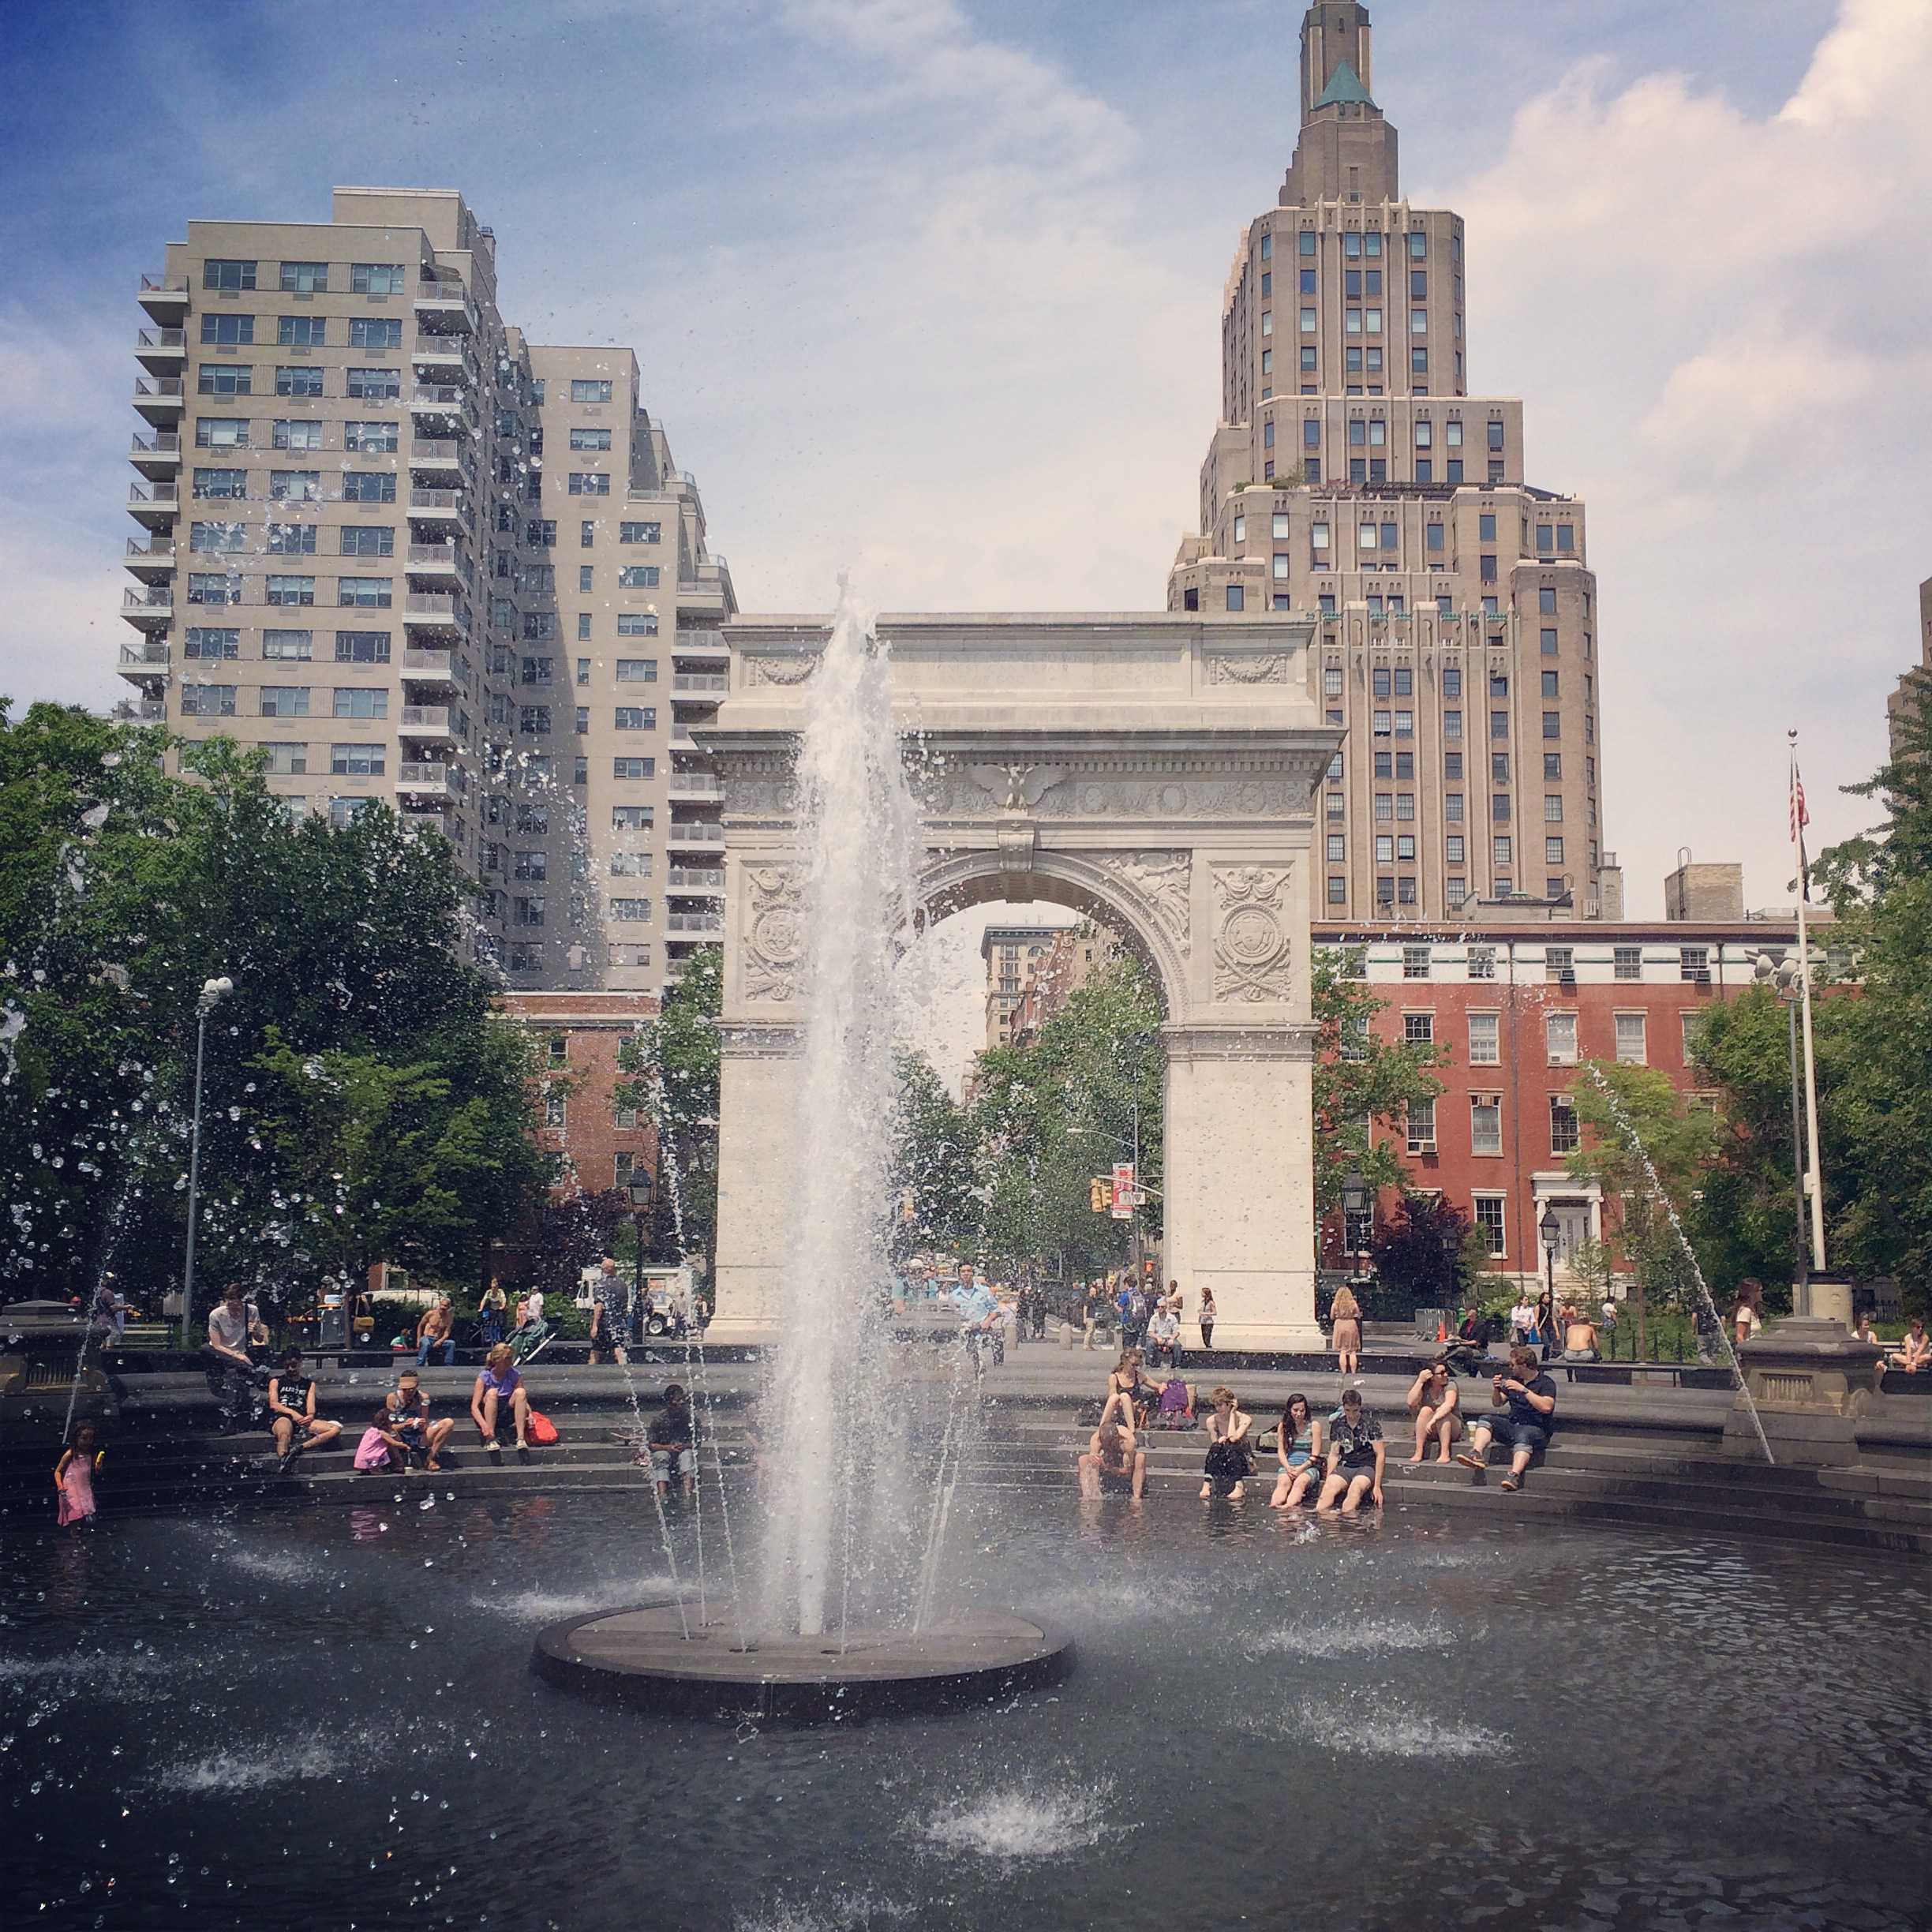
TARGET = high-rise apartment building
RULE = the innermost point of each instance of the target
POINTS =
(1013, 954)
(1353, 475)
(412, 557)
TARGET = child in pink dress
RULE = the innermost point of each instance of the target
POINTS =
(74, 1476)
(381, 1447)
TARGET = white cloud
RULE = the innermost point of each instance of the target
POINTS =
(1715, 318)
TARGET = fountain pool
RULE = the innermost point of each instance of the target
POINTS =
(327, 1718)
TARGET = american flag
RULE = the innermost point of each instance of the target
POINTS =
(1800, 818)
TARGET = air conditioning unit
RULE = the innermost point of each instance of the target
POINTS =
(1566, 976)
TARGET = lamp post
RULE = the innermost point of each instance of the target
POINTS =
(1784, 979)
(1550, 1228)
(643, 1195)
(213, 993)
(1354, 1207)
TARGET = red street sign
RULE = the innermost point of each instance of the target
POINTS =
(1125, 1198)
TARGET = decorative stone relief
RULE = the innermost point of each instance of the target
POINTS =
(1160, 880)
(1253, 947)
(1132, 791)
(773, 932)
(1017, 787)
(1268, 667)
(792, 667)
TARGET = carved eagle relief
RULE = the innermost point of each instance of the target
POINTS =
(1017, 787)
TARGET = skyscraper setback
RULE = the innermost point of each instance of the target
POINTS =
(410, 557)
(1353, 475)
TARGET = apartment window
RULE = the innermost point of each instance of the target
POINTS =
(635, 718)
(539, 626)
(588, 439)
(637, 670)
(210, 641)
(302, 331)
(356, 761)
(228, 331)
(1453, 849)
(540, 532)
(1552, 725)
(356, 703)
(217, 536)
(589, 483)
(369, 488)
(1627, 963)
(1452, 804)
(1457, 890)
(230, 277)
(533, 721)
(1631, 1047)
(1419, 1029)
(1546, 601)
(1485, 1040)
(640, 533)
(368, 647)
(1499, 853)
(1338, 890)
(208, 700)
(1561, 1038)
(221, 432)
(588, 390)
(534, 865)
(1486, 1137)
(631, 818)
(1565, 537)
(375, 438)
(1553, 766)
(377, 278)
(285, 761)
(1482, 962)
(365, 592)
(1415, 962)
(1420, 1127)
(1549, 645)
(1385, 850)
(1553, 854)
(527, 909)
(373, 385)
(213, 587)
(288, 646)
(1563, 1133)
(1552, 684)
(632, 768)
(284, 701)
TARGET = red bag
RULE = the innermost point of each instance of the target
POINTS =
(540, 1429)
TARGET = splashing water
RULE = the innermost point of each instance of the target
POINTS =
(1028, 1820)
(859, 838)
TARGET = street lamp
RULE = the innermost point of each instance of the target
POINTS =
(642, 1195)
(1551, 1229)
(213, 993)
(1784, 979)
(1354, 1210)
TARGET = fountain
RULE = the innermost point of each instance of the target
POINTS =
(841, 1617)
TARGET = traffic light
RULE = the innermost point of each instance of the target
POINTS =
(1101, 1193)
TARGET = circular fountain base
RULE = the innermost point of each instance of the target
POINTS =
(643, 1657)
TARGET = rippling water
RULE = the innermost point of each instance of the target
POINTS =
(327, 1720)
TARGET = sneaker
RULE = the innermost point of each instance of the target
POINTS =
(1469, 1460)
(494, 1447)
(285, 1462)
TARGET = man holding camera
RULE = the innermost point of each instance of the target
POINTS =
(1528, 1397)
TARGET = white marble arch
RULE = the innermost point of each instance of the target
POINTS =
(1157, 771)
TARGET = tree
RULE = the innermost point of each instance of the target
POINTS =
(1628, 1113)
(671, 1070)
(123, 886)
(933, 1159)
(1419, 1255)
(1359, 1077)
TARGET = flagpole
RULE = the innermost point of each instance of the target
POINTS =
(1817, 1177)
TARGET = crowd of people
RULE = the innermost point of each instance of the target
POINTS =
(1334, 1464)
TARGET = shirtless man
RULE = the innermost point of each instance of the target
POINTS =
(1433, 1402)
(436, 1334)
(1580, 1343)
(1112, 1465)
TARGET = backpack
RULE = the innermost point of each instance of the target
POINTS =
(540, 1429)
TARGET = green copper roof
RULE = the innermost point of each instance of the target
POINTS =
(1344, 87)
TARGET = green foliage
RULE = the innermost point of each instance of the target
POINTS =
(672, 1068)
(1680, 1137)
(123, 886)
(935, 1160)
(1420, 1256)
(1359, 1077)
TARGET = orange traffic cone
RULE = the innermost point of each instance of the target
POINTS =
(1442, 1329)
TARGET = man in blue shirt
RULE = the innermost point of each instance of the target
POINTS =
(980, 1315)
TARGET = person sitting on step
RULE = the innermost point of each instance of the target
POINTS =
(1357, 1454)
(1112, 1465)
(1433, 1402)
(1913, 1355)
(1528, 1398)
(292, 1412)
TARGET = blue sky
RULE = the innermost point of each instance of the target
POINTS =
(931, 287)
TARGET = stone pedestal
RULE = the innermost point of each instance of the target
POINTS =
(1810, 1382)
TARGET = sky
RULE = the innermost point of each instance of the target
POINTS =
(931, 288)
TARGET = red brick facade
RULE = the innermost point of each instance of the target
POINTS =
(578, 1036)
(1518, 1008)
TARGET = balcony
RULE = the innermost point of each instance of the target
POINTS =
(711, 923)
(444, 359)
(158, 455)
(429, 667)
(446, 506)
(150, 710)
(445, 306)
(707, 884)
(435, 560)
(166, 301)
(695, 785)
(159, 398)
(695, 832)
(441, 455)
(435, 722)
(146, 663)
(151, 559)
(426, 784)
(151, 609)
(153, 505)
(699, 684)
(707, 646)
(429, 610)
(161, 352)
(440, 400)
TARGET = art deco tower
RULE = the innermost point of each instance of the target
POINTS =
(1353, 474)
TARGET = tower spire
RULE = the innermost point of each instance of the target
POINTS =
(1345, 150)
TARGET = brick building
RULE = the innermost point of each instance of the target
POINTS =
(1518, 1006)
(577, 1037)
